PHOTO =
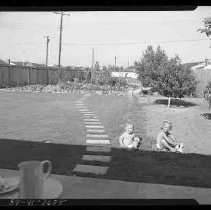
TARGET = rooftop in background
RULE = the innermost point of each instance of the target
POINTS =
(127, 69)
(2, 62)
(202, 65)
(18, 63)
(190, 65)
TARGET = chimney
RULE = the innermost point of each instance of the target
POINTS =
(206, 61)
(9, 61)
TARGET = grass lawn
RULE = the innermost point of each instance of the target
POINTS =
(114, 111)
(39, 117)
(26, 119)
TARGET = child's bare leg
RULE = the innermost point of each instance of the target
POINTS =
(181, 146)
(166, 145)
(133, 145)
(137, 140)
(130, 146)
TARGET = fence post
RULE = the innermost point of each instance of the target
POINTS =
(47, 76)
(28, 75)
(17, 77)
(78, 74)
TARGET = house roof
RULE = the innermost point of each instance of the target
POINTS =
(208, 66)
(3, 62)
(19, 63)
(125, 70)
(192, 64)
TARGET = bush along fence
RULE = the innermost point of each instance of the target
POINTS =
(17, 76)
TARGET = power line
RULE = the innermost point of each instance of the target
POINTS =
(132, 43)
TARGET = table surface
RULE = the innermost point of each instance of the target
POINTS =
(75, 187)
(6, 173)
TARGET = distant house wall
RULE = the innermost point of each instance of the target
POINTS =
(124, 74)
(203, 75)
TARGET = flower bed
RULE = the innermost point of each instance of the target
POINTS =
(73, 88)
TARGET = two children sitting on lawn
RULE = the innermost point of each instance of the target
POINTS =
(165, 140)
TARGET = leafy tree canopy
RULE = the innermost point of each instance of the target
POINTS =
(167, 76)
(207, 26)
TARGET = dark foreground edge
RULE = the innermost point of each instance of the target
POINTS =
(96, 202)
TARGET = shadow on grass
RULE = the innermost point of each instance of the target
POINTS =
(175, 102)
(207, 115)
(63, 157)
(135, 166)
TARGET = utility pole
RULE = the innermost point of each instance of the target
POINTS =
(92, 70)
(115, 68)
(23, 57)
(47, 42)
(60, 37)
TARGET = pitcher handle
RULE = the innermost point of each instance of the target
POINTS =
(49, 168)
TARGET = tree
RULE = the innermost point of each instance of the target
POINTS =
(150, 65)
(167, 76)
(207, 25)
(97, 66)
(175, 80)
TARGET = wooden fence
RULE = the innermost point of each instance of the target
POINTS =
(13, 76)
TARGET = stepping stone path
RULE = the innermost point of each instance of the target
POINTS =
(97, 157)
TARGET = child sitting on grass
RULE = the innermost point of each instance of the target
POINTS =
(167, 141)
(128, 139)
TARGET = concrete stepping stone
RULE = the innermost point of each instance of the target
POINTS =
(89, 114)
(97, 141)
(97, 170)
(94, 126)
(90, 117)
(92, 120)
(86, 111)
(98, 149)
(96, 135)
(95, 131)
(83, 110)
(100, 158)
(92, 123)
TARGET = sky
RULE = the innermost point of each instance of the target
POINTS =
(124, 34)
